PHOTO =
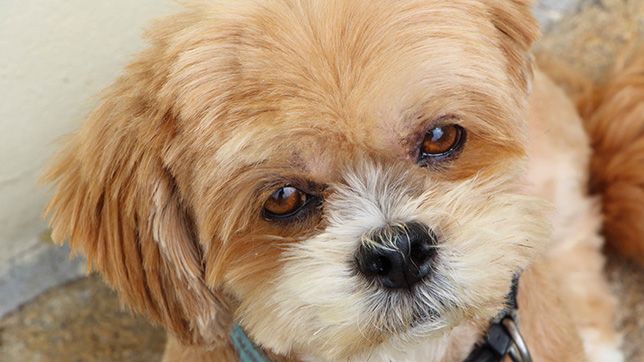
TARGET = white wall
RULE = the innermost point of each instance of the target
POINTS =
(55, 56)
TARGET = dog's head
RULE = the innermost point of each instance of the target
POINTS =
(334, 175)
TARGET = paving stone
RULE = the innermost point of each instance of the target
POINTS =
(40, 268)
(78, 321)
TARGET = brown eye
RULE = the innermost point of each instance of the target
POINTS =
(285, 202)
(441, 142)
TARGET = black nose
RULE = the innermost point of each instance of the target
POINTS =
(398, 256)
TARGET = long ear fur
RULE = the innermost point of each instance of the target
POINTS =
(117, 202)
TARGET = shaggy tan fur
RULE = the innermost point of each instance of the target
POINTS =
(163, 187)
(614, 116)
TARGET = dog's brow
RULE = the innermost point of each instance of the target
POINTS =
(234, 145)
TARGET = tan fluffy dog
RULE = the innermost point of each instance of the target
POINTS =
(346, 180)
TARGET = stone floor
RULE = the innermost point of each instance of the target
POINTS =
(79, 321)
(592, 39)
(83, 321)
(627, 281)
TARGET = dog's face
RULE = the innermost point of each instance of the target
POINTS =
(338, 176)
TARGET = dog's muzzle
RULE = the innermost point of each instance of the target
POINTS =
(502, 339)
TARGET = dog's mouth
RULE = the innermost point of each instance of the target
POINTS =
(423, 317)
(405, 310)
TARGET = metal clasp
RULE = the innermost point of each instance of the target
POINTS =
(518, 350)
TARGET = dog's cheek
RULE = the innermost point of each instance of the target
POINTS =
(487, 240)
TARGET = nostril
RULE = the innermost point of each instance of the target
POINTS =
(379, 265)
(420, 252)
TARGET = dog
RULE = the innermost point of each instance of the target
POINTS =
(353, 180)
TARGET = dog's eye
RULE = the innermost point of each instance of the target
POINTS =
(285, 203)
(442, 142)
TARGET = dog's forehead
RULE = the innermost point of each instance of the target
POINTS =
(357, 62)
(309, 79)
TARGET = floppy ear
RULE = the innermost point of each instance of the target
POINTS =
(116, 201)
(517, 30)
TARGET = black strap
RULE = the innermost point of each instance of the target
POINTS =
(496, 344)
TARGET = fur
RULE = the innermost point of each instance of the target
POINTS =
(613, 114)
(163, 187)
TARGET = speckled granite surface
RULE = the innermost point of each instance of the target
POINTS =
(79, 321)
(83, 321)
(627, 280)
(590, 40)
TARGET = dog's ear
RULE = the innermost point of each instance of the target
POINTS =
(517, 31)
(116, 201)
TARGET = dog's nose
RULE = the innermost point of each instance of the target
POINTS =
(398, 256)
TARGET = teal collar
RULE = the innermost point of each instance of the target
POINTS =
(246, 350)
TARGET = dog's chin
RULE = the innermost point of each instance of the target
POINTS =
(410, 312)
(412, 319)
(427, 332)
(371, 321)
(410, 315)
